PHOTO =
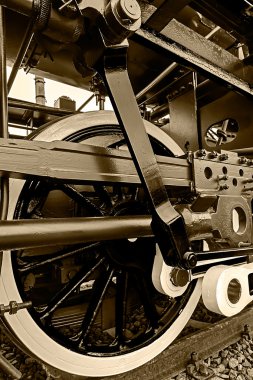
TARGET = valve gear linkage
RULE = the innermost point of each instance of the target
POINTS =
(121, 19)
(167, 224)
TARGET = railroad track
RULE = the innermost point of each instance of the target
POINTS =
(205, 342)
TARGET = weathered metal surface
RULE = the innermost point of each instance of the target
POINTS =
(76, 162)
(222, 174)
(208, 50)
(231, 19)
(165, 13)
(192, 59)
(183, 113)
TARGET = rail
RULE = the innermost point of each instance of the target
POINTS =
(175, 358)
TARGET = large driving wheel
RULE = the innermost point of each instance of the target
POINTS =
(95, 310)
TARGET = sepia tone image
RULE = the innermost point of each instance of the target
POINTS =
(126, 188)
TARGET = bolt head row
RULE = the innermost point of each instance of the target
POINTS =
(246, 161)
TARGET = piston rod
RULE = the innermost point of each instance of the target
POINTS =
(19, 234)
(30, 233)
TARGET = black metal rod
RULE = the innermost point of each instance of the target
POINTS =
(9, 369)
(18, 234)
(21, 54)
(15, 103)
(4, 202)
(20, 127)
(87, 101)
(3, 89)
(157, 80)
(225, 253)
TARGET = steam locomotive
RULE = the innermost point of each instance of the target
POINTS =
(113, 224)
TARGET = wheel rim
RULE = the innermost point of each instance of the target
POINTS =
(149, 323)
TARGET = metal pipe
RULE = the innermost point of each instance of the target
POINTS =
(3, 89)
(9, 369)
(19, 126)
(85, 103)
(15, 103)
(19, 234)
(40, 90)
(168, 71)
(101, 103)
(157, 80)
(4, 113)
(21, 54)
(244, 151)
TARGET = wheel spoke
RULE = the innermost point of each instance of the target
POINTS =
(148, 304)
(69, 288)
(80, 199)
(117, 144)
(103, 195)
(38, 198)
(117, 191)
(100, 287)
(59, 256)
(120, 307)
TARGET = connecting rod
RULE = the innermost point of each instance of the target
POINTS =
(167, 224)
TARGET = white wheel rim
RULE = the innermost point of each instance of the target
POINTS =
(25, 328)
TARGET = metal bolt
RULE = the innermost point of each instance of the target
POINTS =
(247, 189)
(224, 187)
(223, 177)
(194, 357)
(223, 157)
(201, 153)
(179, 277)
(243, 160)
(129, 10)
(13, 307)
(213, 154)
(190, 260)
(247, 331)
